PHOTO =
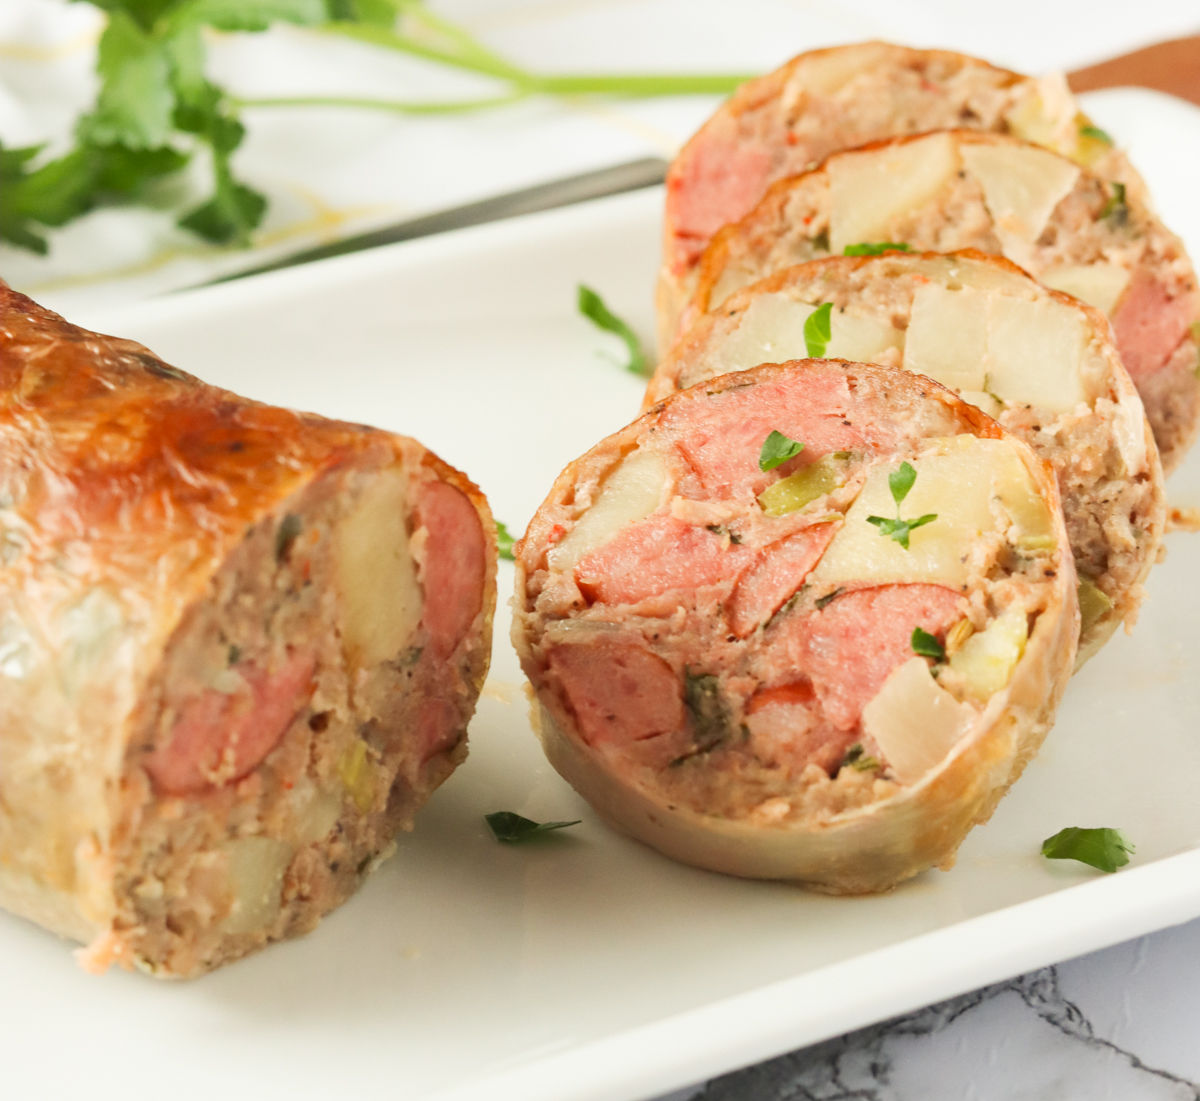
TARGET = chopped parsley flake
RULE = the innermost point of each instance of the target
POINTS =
(818, 330)
(504, 542)
(778, 448)
(854, 759)
(926, 645)
(511, 828)
(1102, 848)
(592, 306)
(1116, 208)
(1096, 133)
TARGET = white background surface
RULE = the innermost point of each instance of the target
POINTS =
(330, 172)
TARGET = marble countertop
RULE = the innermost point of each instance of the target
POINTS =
(1121, 1023)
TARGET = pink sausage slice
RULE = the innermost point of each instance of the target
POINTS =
(656, 555)
(228, 735)
(1149, 324)
(851, 646)
(780, 570)
(788, 729)
(619, 691)
(454, 569)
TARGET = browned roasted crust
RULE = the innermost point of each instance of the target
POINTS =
(129, 493)
(864, 845)
(825, 100)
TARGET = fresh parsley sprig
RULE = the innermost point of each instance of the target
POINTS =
(875, 248)
(592, 306)
(818, 330)
(510, 827)
(156, 109)
(777, 449)
(1102, 848)
(900, 482)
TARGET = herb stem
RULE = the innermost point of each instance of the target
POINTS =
(400, 107)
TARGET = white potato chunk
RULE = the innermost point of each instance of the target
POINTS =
(947, 336)
(1099, 285)
(632, 490)
(1021, 185)
(256, 869)
(986, 660)
(1035, 350)
(860, 339)
(376, 575)
(915, 721)
(957, 484)
(771, 331)
(868, 192)
(1016, 493)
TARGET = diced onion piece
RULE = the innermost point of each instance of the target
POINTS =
(915, 721)
(986, 660)
(869, 191)
(256, 869)
(1099, 285)
(632, 491)
(797, 490)
(376, 575)
(1021, 185)
(318, 815)
(1035, 351)
(956, 484)
(357, 772)
(947, 336)
(771, 331)
(859, 339)
(1093, 604)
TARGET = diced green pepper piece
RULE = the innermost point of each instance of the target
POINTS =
(796, 490)
(1092, 605)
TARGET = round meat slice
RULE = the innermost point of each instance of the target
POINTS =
(805, 622)
(241, 646)
(957, 190)
(1040, 362)
(827, 100)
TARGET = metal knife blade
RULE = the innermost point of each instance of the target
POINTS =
(573, 189)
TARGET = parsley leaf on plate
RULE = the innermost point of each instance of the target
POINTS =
(592, 306)
(777, 449)
(1102, 848)
(511, 828)
(504, 542)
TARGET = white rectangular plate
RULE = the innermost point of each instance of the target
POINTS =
(584, 966)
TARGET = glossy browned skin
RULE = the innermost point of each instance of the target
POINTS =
(122, 475)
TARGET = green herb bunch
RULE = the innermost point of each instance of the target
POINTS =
(156, 110)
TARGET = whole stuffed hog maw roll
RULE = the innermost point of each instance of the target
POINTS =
(957, 190)
(822, 663)
(239, 647)
(823, 101)
(1040, 362)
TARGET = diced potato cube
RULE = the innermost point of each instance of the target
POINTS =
(257, 866)
(859, 339)
(915, 721)
(869, 192)
(771, 331)
(632, 490)
(1035, 351)
(1099, 285)
(376, 576)
(986, 660)
(1021, 185)
(956, 484)
(947, 336)
(792, 493)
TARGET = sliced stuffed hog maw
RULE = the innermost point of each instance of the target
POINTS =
(239, 647)
(822, 663)
(958, 190)
(826, 100)
(1040, 362)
